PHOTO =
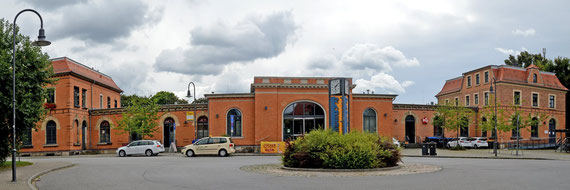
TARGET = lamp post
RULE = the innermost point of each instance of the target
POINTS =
(496, 134)
(190, 95)
(40, 42)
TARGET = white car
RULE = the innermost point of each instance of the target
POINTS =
(141, 147)
(463, 141)
(479, 142)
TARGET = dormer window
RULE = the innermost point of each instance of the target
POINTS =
(534, 78)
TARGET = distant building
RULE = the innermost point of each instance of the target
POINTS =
(84, 106)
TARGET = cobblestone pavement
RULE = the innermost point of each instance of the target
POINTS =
(488, 153)
(405, 169)
(24, 173)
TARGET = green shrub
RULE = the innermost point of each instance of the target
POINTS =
(328, 149)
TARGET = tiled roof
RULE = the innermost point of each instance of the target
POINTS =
(64, 65)
(505, 73)
(452, 85)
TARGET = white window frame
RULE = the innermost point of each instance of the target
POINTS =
(554, 103)
(477, 79)
(537, 99)
(520, 98)
(476, 99)
(486, 79)
(469, 81)
(467, 100)
(486, 97)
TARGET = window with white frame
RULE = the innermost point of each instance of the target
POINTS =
(534, 99)
(468, 81)
(551, 101)
(467, 100)
(476, 99)
(517, 98)
(486, 94)
(477, 79)
(486, 76)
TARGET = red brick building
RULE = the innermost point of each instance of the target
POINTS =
(87, 106)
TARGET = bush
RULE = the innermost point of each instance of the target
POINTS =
(328, 149)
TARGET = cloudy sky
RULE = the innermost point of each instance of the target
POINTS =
(407, 48)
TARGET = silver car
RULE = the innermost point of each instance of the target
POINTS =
(141, 147)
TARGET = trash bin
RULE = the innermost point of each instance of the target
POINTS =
(424, 149)
(432, 147)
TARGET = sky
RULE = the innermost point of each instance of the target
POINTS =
(408, 48)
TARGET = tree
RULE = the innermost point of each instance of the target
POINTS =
(33, 73)
(127, 100)
(200, 101)
(453, 117)
(525, 59)
(141, 118)
(164, 97)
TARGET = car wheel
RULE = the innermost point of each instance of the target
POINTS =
(223, 153)
(148, 152)
(190, 153)
(122, 153)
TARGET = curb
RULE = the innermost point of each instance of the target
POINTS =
(31, 182)
(509, 158)
(340, 170)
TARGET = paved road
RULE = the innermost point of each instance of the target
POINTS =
(177, 172)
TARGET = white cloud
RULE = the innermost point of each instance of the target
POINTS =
(382, 82)
(511, 51)
(214, 47)
(525, 33)
(370, 56)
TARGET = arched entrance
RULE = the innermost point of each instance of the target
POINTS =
(202, 127)
(302, 117)
(551, 129)
(410, 129)
(169, 128)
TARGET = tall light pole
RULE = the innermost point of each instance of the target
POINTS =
(496, 134)
(40, 42)
(190, 95)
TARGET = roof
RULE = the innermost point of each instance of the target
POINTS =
(509, 74)
(451, 85)
(64, 66)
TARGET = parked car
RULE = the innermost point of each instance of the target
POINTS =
(479, 142)
(463, 141)
(222, 146)
(141, 147)
(395, 142)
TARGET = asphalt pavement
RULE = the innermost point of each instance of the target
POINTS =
(177, 172)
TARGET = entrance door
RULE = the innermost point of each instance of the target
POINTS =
(83, 129)
(202, 127)
(410, 129)
(551, 133)
(168, 131)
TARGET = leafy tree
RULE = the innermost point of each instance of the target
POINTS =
(164, 97)
(200, 101)
(141, 117)
(525, 59)
(452, 117)
(127, 100)
(33, 73)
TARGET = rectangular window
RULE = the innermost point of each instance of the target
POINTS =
(486, 98)
(535, 99)
(486, 76)
(115, 103)
(551, 101)
(108, 102)
(76, 96)
(28, 137)
(517, 98)
(446, 101)
(468, 81)
(476, 99)
(466, 100)
(101, 101)
(84, 98)
(477, 79)
(456, 101)
(50, 95)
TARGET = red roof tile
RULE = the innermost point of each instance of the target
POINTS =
(65, 65)
(450, 86)
(520, 76)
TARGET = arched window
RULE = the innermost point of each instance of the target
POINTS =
(51, 132)
(105, 132)
(534, 128)
(534, 78)
(234, 126)
(300, 118)
(369, 121)
(484, 131)
(76, 123)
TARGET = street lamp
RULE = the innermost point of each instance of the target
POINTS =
(496, 134)
(40, 42)
(190, 95)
